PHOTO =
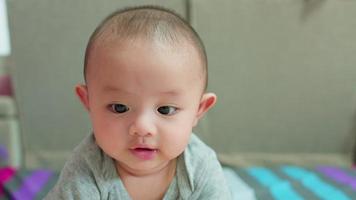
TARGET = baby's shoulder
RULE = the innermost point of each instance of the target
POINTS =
(199, 158)
(82, 153)
(85, 173)
(205, 174)
(198, 151)
(80, 161)
(89, 158)
(76, 180)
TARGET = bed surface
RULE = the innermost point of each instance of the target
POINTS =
(291, 182)
(274, 182)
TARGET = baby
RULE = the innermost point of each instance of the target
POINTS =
(145, 89)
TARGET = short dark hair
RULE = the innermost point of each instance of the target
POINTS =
(148, 22)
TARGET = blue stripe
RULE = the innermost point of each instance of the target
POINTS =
(279, 188)
(312, 182)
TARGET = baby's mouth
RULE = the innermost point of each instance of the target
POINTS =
(144, 153)
(144, 149)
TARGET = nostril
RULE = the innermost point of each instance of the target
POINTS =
(140, 130)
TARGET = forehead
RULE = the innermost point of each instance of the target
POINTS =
(133, 63)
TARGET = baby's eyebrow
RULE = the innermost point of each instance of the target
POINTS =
(110, 88)
(171, 93)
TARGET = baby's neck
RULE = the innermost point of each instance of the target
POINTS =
(148, 186)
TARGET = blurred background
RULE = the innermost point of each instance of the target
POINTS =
(284, 72)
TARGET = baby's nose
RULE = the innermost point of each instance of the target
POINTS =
(143, 125)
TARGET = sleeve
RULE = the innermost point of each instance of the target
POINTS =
(75, 182)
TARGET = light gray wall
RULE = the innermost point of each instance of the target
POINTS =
(284, 72)
(48, 40)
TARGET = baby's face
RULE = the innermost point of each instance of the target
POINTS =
(143, 100)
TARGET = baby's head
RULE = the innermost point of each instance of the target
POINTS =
(150, 23)
(146, 75)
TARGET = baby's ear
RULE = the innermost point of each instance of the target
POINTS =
(207, 101)
(82, 93)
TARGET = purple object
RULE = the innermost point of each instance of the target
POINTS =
(32, 184)
(4, 155)
(338, 175)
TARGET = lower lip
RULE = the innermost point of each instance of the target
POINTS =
(144, 154)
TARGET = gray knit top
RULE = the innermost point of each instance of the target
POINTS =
(91, 174)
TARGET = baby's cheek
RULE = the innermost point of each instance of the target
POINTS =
(174, 144)
(111, 146)
(109, 134)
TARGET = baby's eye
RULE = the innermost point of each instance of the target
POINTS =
(119, 108)
(167, 110)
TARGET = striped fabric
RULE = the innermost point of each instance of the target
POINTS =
(280, 188)
(339, 175)
(288, 182)
(25, 184)
(284, 182)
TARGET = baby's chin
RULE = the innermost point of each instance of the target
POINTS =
(144, 168)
